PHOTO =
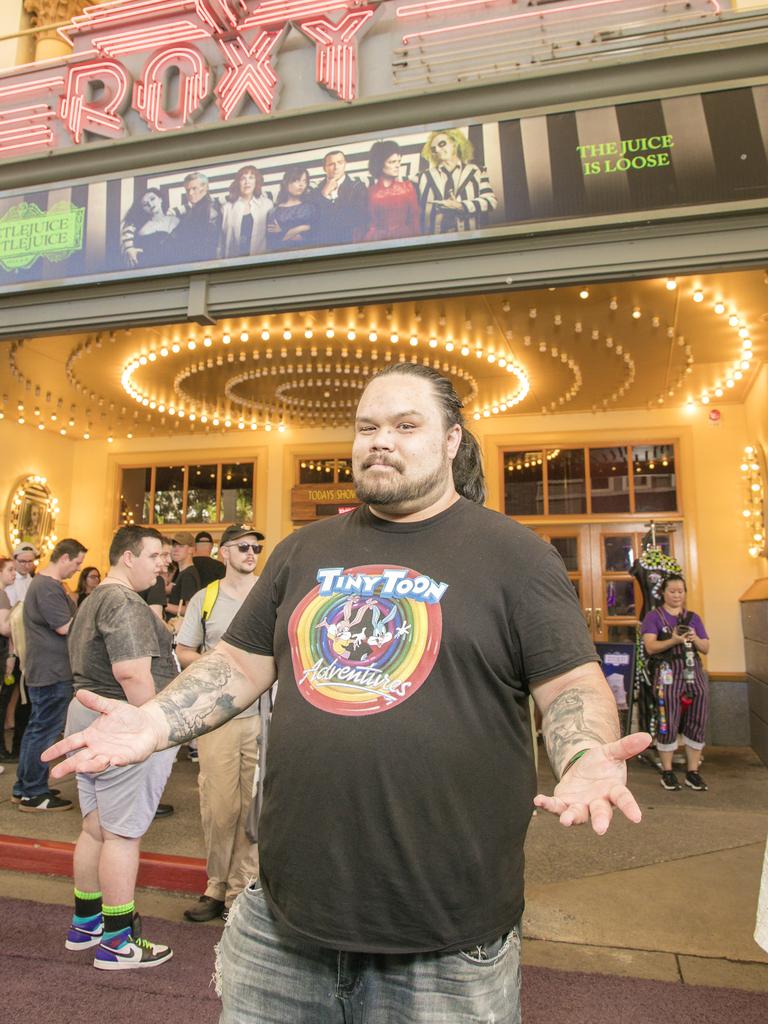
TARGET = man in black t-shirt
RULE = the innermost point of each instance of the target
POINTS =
(187, 582)
(407, 636)
(209, 569)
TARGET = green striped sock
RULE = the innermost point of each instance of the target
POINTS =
(87, 907)
(117, 920)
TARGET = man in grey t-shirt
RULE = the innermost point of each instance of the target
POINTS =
(228, 757)
(118, 649)
(48, 613)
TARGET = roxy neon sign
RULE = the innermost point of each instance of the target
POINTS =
(161, 58)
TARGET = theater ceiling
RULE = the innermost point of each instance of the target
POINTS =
(690, 341)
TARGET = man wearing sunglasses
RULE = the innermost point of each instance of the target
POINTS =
(228, 756)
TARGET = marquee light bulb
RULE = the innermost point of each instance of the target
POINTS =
(671, 284)
(698, 295)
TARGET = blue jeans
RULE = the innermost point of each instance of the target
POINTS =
(46, 722)
(266, 977)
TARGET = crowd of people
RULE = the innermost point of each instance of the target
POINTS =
(118, 636)
(451, 194)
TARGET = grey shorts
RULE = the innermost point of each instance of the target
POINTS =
(126, 798)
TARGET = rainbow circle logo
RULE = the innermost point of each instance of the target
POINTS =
(360, 654)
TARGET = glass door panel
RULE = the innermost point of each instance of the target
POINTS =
(573, 545)
(598, 559)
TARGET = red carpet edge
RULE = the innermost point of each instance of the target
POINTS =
(156, 870)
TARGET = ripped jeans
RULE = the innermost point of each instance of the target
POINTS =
(265, 977)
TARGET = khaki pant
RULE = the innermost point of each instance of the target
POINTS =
(228, 759)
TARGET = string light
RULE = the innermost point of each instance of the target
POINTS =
(753, 514)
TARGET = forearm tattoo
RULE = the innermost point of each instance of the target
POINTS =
(200, 699)
(580, 717)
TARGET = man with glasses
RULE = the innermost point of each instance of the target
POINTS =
(228, 756)
(24, 558)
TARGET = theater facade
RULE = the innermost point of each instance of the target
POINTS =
(219, 217)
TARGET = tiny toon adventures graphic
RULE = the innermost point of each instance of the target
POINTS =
(365, 639)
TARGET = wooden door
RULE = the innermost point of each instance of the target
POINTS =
(598, 557)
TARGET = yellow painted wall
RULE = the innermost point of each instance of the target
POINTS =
(28, 452)
(12, 20)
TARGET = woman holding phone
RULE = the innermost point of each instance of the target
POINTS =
(675, 639)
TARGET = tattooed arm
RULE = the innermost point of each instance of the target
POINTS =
(578, 711)
(212, 690)
(579, 714)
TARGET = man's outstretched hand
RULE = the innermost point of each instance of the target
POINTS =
(124, 734)
(596, 784)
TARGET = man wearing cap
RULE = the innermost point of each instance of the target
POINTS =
(228, 756)
(209, 569)
(187, 582)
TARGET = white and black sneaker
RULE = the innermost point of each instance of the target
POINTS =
(127, 950)
(694, 781)
(669, 781)
(44, 802)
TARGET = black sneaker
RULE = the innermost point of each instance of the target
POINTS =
(206, 909)
(17, 799)
(695, 781)
(669, 780)
(44, 802)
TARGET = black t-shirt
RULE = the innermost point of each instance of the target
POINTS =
(185, 586)
(155, 594)
(400, 773)
(209, 569)
(115, 624)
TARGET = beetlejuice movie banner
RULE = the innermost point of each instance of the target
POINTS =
(406, 188)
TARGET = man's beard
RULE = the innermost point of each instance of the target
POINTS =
(395, 489)
(244, 570)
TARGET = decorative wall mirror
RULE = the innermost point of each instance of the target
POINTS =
(31, 515)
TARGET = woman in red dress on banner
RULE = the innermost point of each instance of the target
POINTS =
(393, 206)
